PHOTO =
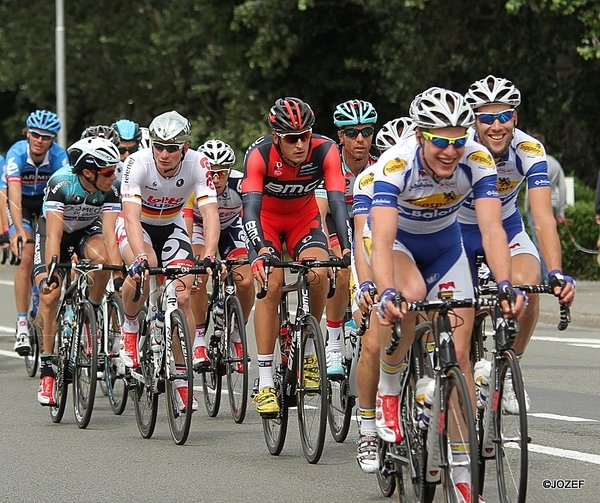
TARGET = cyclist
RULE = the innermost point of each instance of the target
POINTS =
(367, 372)
(3, 203)
(518, 157)
(227, 182)
(76, 199)
(417, 245)
(354, 120)
(282, 171)
(29, 165)
(393, 132)
(156, 184)
(131, 136)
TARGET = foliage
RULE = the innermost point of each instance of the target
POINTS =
(582, 224)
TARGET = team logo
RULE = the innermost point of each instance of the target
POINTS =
(530, 147)
(435, 200)
(366, 180)
(481, 157)
(179, 182)
(394, 166)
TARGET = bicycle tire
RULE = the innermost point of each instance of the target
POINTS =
(458, 408)
(32, 360)
(275, 428)
(180, 419)
(237, 382)
(385, 475)
(85, 371)
(116, 387)
(144, 394)
(211, 378)
(510, 431)
(312, 400)
(61, 372)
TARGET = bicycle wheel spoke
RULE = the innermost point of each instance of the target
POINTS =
(236, 360)
(86, 366)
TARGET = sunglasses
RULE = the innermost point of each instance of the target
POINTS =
(443, 142)
(171, 148)
(44, 137)
(353, 132)
(488, 118)
(220, 173)
(294, 138)
(107, 172)
(131, 150)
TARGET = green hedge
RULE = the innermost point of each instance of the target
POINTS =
(581, 220)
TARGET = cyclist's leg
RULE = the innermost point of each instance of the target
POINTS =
(22, 286)
(199, 301)
(93, 248)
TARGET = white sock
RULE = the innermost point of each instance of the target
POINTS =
(265, 370)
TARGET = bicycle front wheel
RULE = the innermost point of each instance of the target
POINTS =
(116, 387)
(459, 439)
(63, 375)
(33, 358)
(211, 378)
(510, 434)
(85, 372)
(311, 396)
(236, 359)
(179, 375)
(275, 428)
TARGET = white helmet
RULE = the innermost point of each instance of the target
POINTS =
(393, 132)
(93, 153)
(493, 90)
(218, 152)
(145, 141)
(170, 127)
(438, 108)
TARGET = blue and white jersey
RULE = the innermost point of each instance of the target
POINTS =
(20, 167)
(424, 205)
(3, 185)
(65, 194)
(525, 159)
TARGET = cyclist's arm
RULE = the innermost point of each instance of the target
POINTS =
(363, 271)
(335, 184)
(132, 212)
(323, 205)
(54, 234)
(110, 239)
(16, 210)
(212, 227)
(255, 170)
(545, 227)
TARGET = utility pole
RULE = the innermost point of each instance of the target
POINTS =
(61, 95)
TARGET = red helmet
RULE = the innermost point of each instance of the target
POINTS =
(291, 114)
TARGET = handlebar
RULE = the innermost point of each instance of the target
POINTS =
(168, 271)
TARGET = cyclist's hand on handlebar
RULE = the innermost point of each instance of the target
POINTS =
(347, 258)
(388, 313)
(364, 297)
(564, 287)
(137, 266)
(512, 300)
(260, 268)
(210, 263)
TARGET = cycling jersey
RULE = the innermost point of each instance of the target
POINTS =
(284, 195)
(33, 179)
(162, 199)
(3, 185)
(65, 194)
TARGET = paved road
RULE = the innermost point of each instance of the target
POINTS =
(222, 461)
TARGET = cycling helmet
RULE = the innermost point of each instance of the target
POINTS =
(438, 108)
(145, 141)
(218, 153)
(291, 114)
(108, 132)
(493, 90)
(170, 127)
(128, 130)
(44, 119)
(354, 112)
(393, 132)
(93, 154)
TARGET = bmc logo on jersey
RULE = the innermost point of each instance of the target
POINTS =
(394, 166)
(482, 158)
(366, 180)
(291, 189)
(531, 148)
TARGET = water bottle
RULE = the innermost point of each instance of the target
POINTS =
(68, 322)
(482, 372)
(218, 311)
(285, 338)
(35, 296)
(156, 330)
(425, 394)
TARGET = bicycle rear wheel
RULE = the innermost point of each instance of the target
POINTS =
(85, 372)
(179, 373)
(236, 364)
(459, 440)
(33, 358)
(275, 428)
(311, 397)
(211, 379)
(510, 434)
(143, 392)
(385, 475)
(116, 387)
(60, 360)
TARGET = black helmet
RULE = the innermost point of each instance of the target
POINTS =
(291, 114)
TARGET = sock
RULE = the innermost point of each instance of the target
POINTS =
(22, 327)
(265, 370)
(46, 366)
(199, 340)
(334, 333)
(131, 324)
(390, 377)
(367, 421)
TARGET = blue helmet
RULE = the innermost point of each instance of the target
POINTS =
(44, 119)
(128, 130)
(354, 112)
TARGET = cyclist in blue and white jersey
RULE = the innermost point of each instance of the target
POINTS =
(396, 132)
(29, 165)
(518, 158)
(76, 199)
(355, 120)
(3, 202)
(417, 244)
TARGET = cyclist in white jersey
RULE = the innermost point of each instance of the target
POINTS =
(417, 195)
(518, 157)
(354, 120)
(156, 184)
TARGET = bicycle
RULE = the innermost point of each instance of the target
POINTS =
(427, 456)
(224, 317)
(298, 340)
(501, 435)
(157, 372)
(75, 355)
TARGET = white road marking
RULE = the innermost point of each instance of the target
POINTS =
(566, 340)
(565, 453)
(570, 419)
(11, 354)
(7, 282)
